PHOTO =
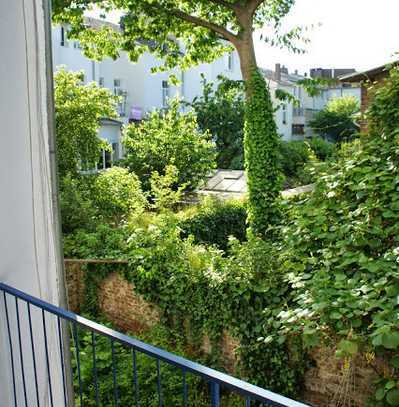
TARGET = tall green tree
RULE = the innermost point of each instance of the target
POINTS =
(185, 33)
(78, 110)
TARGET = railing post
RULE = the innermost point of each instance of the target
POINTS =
(215, 394)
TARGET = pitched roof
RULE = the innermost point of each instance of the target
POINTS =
(370, 74)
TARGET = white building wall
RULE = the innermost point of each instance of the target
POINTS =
(29, 256)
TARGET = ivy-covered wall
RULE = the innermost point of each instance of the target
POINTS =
(328, 380)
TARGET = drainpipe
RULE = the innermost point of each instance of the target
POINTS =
(62, 292)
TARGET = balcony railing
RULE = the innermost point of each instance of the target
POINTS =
(23, 338)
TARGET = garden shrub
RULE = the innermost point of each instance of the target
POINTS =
(323, 149)
(213, 221)
(296, 155)
(169, 138)
(102, 242)
(77, 209)
(117, 194)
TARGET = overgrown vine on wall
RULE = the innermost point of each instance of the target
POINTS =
(261, 146)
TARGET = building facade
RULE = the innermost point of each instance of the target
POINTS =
(293, 119)
(140, 90)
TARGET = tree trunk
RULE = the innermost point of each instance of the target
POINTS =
(246, 53)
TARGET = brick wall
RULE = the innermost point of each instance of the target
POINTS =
(127, 310)
(332, 380)
(325, 384)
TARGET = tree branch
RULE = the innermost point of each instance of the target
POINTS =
(253, 5)
(226, 34)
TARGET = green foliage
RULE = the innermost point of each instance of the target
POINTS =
(201, 292)
(322, 149)
(213, 221)
(383, 113)
(146, 373)
(221, 112)
(78, 110)
(261, 157)
(169, 138)
(165, 197)
(337, 120)
(295, 156)
(102, 242)
(341, 253)
(77, 209)
(117, 194)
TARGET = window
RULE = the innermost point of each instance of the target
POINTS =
(298, 129)
(229, 61)
(165, 93)
(117, 87)
(115, 151)
(105, 160)
(101, 81)
(63, 41)
(76, 45)
(284, 114)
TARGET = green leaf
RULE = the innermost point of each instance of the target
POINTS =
(395, 362)
(393, 397)
(380, 394)
(390, 340)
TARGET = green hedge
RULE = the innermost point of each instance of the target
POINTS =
(213, 221)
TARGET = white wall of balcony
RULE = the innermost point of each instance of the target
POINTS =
(29, 248)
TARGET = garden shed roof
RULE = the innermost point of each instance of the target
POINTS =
(227, 184)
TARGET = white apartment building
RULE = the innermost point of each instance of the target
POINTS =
(292, 121)
(141, 90)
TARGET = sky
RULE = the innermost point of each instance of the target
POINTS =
(358, 34)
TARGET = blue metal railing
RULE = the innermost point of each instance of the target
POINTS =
(252, 395)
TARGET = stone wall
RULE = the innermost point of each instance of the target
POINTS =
(326, 384)
(333, 382)
(127, 310)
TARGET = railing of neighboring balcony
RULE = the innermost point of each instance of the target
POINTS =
(19, 308)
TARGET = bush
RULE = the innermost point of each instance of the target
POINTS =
(77, 209)
(322, 148)
(117, 194)
(214, 221)
(169, 138)
(295, 156)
